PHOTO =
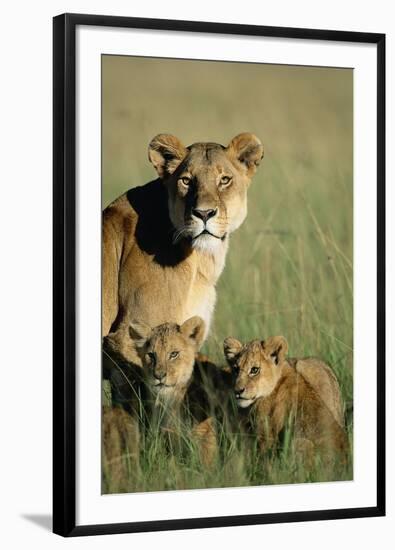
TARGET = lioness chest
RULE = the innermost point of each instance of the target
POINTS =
(159, 293)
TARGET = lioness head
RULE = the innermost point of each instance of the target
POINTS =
(207, 185)
(256, 367)
(168, 353)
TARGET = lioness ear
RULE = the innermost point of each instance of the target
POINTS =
(139, 332)
(276, 347)
(166, 152)
(248, 150)
(232, 348)
(194, 328)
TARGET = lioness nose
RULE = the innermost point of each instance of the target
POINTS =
(239, 391)
(159, 374)
(204, 215)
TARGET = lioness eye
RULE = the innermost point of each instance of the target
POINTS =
(174, 354)
(152, 357)
(225, 181)
(185, 181)
(255, 370)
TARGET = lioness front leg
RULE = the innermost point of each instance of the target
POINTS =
(111, 260)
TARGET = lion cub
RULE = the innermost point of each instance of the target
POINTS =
(176, 380)
(120, 450)
(277, 393)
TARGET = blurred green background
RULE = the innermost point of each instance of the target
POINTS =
(289, 270)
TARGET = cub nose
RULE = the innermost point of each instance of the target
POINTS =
(239, 391)
(204, 215)
(159, 374)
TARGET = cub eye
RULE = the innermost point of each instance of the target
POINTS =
(254, 370)
(152, 357)
(185, 181)
(174, 354)
(225, 181)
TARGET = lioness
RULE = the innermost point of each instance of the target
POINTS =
(164, 244)
(278, 394)
(179, 383)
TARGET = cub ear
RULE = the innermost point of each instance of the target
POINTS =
(139, 332)
(248, 150)
(276, 347)
(166, 152)
(232, 348)
(194, 328)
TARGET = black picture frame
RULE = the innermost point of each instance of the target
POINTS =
(64, 273)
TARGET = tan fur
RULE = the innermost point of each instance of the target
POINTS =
(275, 391)
(168, 354)
(177, 380)
(157, 264)
(323, 380)
(205, 436)
(120, 449)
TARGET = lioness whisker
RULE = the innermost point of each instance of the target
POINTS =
(179, 234)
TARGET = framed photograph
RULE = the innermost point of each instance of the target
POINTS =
(219, 275)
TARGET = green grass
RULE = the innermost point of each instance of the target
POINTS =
(174, 464)
(290, 266)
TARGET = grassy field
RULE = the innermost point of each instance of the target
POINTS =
(290, 266)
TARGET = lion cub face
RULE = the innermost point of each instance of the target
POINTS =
(256, 366)
(168, 353)
(207, 185)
